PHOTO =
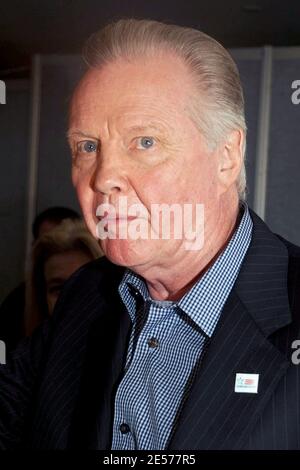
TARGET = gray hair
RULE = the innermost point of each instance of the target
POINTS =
(215, 73)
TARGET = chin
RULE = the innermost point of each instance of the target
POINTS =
(125, 253)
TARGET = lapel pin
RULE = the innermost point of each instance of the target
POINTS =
(246, 383)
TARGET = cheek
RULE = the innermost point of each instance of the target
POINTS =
(157, 186)
(203, 174)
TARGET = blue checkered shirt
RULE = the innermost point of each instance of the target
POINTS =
(166, 346)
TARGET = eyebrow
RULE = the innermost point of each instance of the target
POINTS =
(137, 128)
(140, 128)
(76, 132)
(56, 280)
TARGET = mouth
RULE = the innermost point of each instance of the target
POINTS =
(115, 218)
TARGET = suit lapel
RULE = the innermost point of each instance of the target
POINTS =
(214, 416)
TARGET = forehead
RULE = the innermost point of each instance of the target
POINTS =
(149, 85)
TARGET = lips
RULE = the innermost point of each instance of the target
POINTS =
(116, 218)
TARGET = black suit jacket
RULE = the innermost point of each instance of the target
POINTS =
(57, 389)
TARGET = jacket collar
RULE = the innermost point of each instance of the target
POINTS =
(262, 282)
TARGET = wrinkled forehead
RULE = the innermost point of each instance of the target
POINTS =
(142, 82)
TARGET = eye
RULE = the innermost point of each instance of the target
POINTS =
(55, 290)
(145, 142)
(87, 146)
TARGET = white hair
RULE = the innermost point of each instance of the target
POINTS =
(214, 72)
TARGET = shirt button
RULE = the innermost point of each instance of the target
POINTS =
(153, 343)
(134, 291)
(124, 428)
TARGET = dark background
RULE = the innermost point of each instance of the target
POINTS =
(60, 26)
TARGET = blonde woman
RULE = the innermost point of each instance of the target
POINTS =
(56, 256)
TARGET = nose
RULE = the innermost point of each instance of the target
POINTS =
(109, 178)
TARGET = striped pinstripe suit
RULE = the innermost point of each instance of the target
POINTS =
(57, 389)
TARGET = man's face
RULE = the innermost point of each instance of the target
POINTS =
(131, 135)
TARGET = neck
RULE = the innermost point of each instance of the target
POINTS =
(172, 280)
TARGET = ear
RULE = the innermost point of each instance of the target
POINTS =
(230, 158)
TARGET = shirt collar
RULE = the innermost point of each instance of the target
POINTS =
(131, 288)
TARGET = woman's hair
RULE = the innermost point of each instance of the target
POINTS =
(217, 101)
(54, 214)
(68, 235)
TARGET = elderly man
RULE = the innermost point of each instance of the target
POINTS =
(171, 342)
